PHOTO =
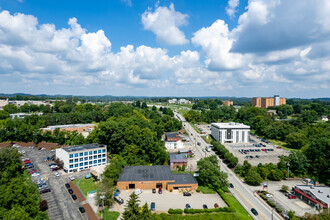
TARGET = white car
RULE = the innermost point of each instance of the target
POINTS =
(138, 191)
(72, 178)
(53, 166)
(23, 151)
(52, 150)
(35, 174)
(57, 174)
(43, 148)
(269, 195)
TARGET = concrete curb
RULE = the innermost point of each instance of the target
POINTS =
(263, 201)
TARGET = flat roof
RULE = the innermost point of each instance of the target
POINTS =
(53, 127)
(320, 192)
(145, 173)
(83, 147)
(183, 178)
(230, 125)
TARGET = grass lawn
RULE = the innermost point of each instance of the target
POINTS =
(85, 185)
(208, 216)
(183, 112)
(207, 190)
(231, 201)
(109, 215)
(192, 125)
(186, 171)
(207, 138)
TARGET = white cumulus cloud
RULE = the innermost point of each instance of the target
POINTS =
(231, 7)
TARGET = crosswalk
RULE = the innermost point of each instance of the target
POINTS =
(53, 211)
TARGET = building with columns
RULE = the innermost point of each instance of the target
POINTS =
(230, 132)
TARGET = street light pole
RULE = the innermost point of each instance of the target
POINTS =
(288, 164)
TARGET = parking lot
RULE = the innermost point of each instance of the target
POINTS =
(60, 203)
(174, 200)
(256, 152)
(204, 128)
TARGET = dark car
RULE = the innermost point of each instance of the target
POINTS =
(254, 211)
(216, 205)
(186, 194)
(204, 206)
(81, 209)
(51, 164)
(70, 190)
(44, 191)
(231, 185)
(67, 185)
(152, 206)
(154, 191)
(74, 197)
(119, 200)
(188, 206)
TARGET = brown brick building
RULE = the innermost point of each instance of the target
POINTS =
(178, 160)
(170, 136)
(265, 102)
(228, 103)
(152, 177)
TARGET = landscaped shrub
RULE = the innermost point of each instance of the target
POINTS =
(271, 203)
(198, 189)
(175, 211)
(278, 210)
(221, 209)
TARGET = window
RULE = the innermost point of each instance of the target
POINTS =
(81, 164)
(91, 157)
(81, 159)
(103, 160)
(86, 158)
(76, 155)
(90, 152)
(76, 160)
(81, 168)
(99, 156)
(71, 166)
(99, 161)
(71, 161)
(76, 165)
(103, 155)
(90, 162)
(95, 161)
(95, 156)
(71, 155)
(95, 152)
(86, 153)
(103, 151)
(99, 151)
(86, 163)
(81, 154)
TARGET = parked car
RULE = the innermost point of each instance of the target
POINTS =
(231, 185)
(70, 190)
(119, 200)
(188, 206)
(33, 171)
(51, 164)
(67, 185)
(160, 191)
(269, 195)
(186, 194)
(205, 206)
(138, 191)
(81, 209)
(117, 191)
(257, 156)
(292, 197)
(72, 178)
(153, 191)
(35, 174)
(88, 176)
(152, 206)
(216, 205)
(74, 197)
(57, 174)
(44, 191)
(254, 211)
(287, 194)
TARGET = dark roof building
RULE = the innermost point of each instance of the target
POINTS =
(172, 136)
(178, 158)
(152, 177)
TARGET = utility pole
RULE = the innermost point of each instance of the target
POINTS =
(288, 164)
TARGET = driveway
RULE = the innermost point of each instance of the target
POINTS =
(174, 200)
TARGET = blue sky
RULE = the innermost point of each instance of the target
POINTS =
(165, 48)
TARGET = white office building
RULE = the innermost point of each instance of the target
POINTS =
(230, 132)
(82, 157)
(174, 144)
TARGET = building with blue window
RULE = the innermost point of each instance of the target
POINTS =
(81, 157)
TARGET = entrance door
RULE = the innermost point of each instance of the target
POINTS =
(131, 186)
(159, 185)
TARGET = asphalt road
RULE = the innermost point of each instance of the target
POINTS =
(241, 191)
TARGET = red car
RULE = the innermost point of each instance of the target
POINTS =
(32, 171)
(26, 162)
(263, 149)
(292, 197)
(160, 191)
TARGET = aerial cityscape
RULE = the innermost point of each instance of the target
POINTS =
(164, 109)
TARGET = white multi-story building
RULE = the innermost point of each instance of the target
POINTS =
(174, 144)
(172, 101)
(230, 132)
(23, 115)
(82, 157)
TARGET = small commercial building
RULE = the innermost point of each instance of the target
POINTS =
(230, 132)
(152, 177)
(316, 196)
(82, 157)
(173, 141)
(178, 160)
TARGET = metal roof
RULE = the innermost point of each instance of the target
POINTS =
(83, 147)
(183, 178)
(230, 125)
(172, 135)
(53, 127)
(146, 173)
(175, 157)
(319, 192)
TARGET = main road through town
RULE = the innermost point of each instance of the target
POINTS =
(241, 192)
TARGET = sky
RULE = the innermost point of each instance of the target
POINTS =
(241, 48)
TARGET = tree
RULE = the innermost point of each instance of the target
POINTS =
(145, 212)
(213, 105)
(4, 114)
(296, 140)
(309, 116)
(132, 209)
(106, 188)
(253, 178)
(10, 108)
(43, 205)
(138, 104)
(154, 108)
(285, 188)
(144, 105)
(298, 163)
(113, 170)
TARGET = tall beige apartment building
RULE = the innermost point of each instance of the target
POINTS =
(265, 102)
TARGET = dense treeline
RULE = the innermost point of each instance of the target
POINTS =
(224, 153)
(19, 196)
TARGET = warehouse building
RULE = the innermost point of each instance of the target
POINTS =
(152, 177)
(82, 157)
(230, 132)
